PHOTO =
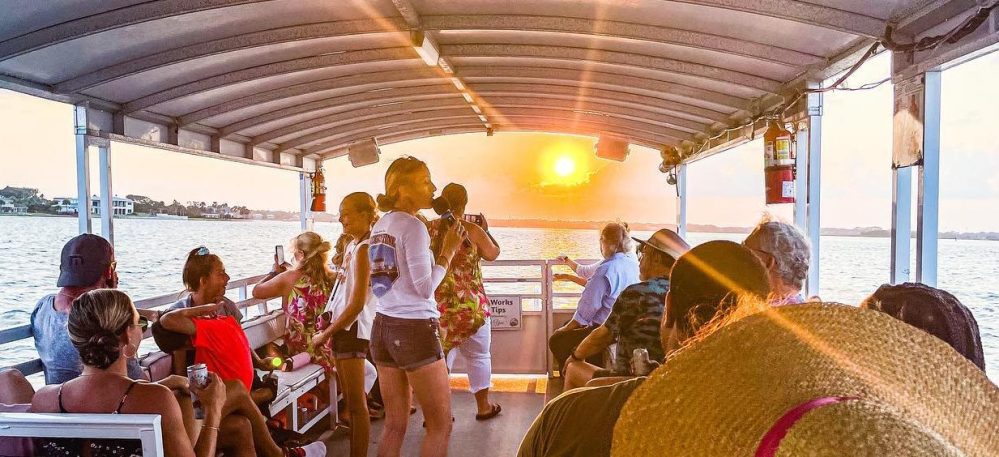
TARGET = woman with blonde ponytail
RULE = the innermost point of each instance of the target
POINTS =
(307, 285)
(405, 343)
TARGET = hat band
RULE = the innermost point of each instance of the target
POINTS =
(771, 440)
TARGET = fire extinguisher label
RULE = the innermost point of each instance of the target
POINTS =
(769, 152)
(787, 189)
(783, 149)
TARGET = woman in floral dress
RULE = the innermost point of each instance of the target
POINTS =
(307, 286)
(463, 304)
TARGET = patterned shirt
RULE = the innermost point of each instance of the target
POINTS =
(634, 321)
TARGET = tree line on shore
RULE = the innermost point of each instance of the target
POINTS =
(37, 203)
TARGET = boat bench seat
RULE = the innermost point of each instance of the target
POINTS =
(17, 429)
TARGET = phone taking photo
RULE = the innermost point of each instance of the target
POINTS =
(474, 218)
(279, 252)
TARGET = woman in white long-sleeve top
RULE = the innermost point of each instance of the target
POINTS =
(404, 337)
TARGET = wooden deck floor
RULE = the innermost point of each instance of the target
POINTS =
(500, 436)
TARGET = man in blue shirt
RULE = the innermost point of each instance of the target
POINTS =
(616, 272)
(634, 321)
(87, 263)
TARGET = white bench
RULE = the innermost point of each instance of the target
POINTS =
(291, 385)
(143, 427)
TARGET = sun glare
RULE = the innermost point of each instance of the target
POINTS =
(564, 167)
(565, 164)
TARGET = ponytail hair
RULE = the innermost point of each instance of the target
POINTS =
(197, 267)
(618, 236)
(96, 321)
(398, 175)
(315, 260)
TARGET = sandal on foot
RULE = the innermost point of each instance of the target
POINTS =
(491, 414)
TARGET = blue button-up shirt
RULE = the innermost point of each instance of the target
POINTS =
(612, 276)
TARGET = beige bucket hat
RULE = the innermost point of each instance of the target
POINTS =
(813, 380)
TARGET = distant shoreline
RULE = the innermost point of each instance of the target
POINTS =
(859, 232)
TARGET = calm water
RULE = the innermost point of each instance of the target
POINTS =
(150, 255)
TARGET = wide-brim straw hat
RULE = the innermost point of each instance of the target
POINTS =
(908, 393)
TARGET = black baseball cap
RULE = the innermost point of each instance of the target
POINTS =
(84, 259)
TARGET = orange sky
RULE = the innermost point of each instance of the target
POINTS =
(503, 173)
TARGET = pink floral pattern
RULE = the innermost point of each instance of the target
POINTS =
(305, 303)
(461, 297)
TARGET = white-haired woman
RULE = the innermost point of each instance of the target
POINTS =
(617, 271)
(785, 252)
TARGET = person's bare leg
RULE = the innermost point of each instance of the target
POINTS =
(482, 402)
(236, 436)
(433, 392)
(397, 398)
(15, 388)
(238, 401)
(351, 373)
(578, 373)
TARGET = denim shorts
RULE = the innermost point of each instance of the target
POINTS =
(406, 344)
(346, 344)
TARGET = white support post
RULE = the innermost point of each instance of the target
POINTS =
(801, 178)
(305, 201)
(901, 224)
(107, 196)
(928, 212)
(814, 101)
(82, 169)
(681, 200)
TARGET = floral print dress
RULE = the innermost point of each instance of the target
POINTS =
(305, 303)
(461, 297)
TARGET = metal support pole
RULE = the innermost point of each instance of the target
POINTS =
(107, 196)
(801, 178)
(928, 212)
(901, 224)
(681, 200)
(305, 202)
(814, 101)
(82, 169)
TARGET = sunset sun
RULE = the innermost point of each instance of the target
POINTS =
(564, 167)
(565, 164)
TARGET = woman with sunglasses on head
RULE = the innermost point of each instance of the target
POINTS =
(106, 329)
(404, 337)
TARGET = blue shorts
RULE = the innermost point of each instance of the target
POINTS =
(406, 344)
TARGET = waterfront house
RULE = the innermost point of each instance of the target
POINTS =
(122, 206)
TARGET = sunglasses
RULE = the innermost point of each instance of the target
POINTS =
(143, 323)
(202, 251)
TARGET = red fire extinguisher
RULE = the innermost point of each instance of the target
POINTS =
(318, 191)
(779, 163)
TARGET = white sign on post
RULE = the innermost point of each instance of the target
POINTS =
(505, 312)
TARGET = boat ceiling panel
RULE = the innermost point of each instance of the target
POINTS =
(23, 17)
(147, 82)
(671, 51)
(184, 99)
(293, 117)
(690, 74)
(244, 109)
(307, 77)
(91, 51)
(697, 16)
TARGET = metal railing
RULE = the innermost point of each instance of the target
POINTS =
(245, 302)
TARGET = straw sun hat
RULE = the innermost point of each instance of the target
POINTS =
(816, 380)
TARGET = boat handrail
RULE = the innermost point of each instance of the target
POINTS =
(244, 301)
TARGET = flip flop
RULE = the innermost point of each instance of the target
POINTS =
(491, 414)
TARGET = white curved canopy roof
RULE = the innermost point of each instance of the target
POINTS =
(279, 81)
